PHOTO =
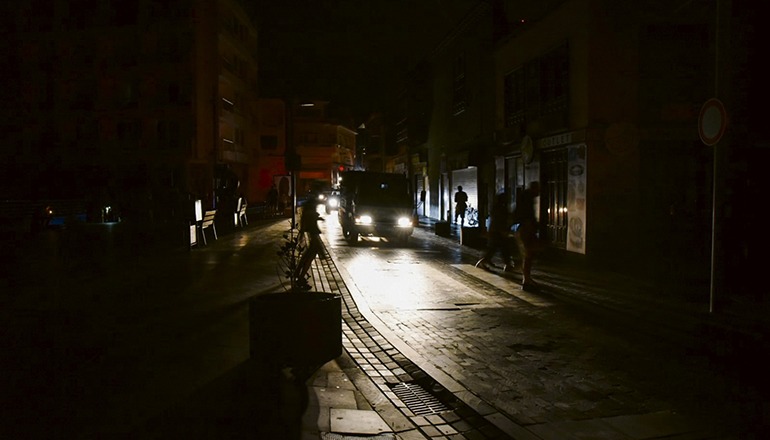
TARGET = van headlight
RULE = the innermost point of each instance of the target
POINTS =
(364, 220)
(404, 222)
(333, 202)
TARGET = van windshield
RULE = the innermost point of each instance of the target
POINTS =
(376, 192)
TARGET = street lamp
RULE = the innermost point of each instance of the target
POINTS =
(292, 159)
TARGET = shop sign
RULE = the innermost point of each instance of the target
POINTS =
(576, 198)
(559, 139)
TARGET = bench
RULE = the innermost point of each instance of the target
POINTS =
(208, 222)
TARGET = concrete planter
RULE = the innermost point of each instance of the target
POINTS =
(472, 237)
(298, 329)
(442, 229)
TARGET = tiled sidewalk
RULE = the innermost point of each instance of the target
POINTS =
(391, 388)
(337, 409)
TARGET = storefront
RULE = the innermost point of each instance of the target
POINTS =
(560, 165)
(468, 179)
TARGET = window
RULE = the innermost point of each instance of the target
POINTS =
(169, 46)
(129, 133)
(87, 130)
(268, 142)
(228, 105)
(238, 102)
(126, 53)
(538, 89)
(169, 134)
(402, 131)
(532, 90)
(226, 64)
(82, 14)
(168, 9)
(459, 92)
(553, 80)
(179, 93)
(39, 15)
(174, 96)
(513, 91)
(272, 120)
(123, 13)
(130, 93)
(84, 96)
(309, 138)
(553, 197)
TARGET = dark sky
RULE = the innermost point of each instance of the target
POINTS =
(351, 52)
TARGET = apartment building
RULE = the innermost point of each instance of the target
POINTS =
(269, 168)
(459, 123)
(324, 145)
(148, 103)
(601, 102)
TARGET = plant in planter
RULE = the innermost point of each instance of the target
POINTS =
(295, 327)
(289, 253)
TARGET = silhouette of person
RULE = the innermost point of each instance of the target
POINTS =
(497, 239)
(308, 224)
(272, 200)
(461, 204)
(526, 235)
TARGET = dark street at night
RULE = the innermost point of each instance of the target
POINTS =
(536, 220)
(119, 347)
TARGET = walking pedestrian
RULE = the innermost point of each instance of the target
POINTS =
(527, 234)
(272, 200)
(461, 204)
(308, 224)
(499, 230)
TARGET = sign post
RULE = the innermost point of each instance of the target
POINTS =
(712, 123)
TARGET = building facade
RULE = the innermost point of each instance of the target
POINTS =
(269, 168)
(325, 146)
(144, 104)
(459, 128)
(601, 103)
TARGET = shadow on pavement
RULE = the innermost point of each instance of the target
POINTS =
(248, 402)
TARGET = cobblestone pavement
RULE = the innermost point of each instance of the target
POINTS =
(412, 403)
(495, 361)
(536, 366)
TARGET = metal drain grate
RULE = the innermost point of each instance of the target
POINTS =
(418, 400)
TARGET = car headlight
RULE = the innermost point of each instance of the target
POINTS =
(321, 196)
(404, 222)
(364, 220)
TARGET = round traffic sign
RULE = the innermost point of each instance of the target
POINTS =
(712, 121)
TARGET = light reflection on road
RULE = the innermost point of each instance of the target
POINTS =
(397, 278)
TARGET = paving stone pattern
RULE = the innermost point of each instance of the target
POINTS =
(387, 367)
(549, 370)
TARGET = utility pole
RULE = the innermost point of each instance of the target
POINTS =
(291, 159)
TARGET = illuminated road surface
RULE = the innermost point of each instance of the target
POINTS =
(535, 357)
